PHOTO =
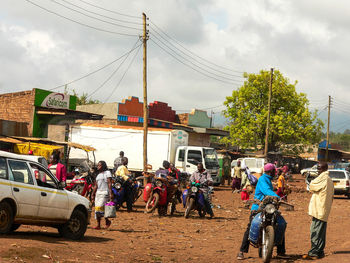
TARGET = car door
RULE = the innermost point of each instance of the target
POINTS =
(53, 201)
(24, 191)
(5, 184)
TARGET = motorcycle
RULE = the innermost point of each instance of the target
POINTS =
(118, 188)
(267, 227)
(83, 182)
(193, 199)
(155, 195)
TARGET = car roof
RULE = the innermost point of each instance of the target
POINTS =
(34, 158)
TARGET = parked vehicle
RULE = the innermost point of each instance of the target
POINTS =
(340, 178)
(341, 165)
(170, 145)
(155, 195)
(193, 199)
(255, 165)
(118, 189)
(312, 169)
(267, 227)
(27, 198)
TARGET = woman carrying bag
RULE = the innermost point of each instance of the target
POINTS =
(102, 193)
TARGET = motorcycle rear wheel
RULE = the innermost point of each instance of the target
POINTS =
(268, 244)
(152, 203)
(189, 207)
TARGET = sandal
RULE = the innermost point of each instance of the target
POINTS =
(96, 228)
(108, 224)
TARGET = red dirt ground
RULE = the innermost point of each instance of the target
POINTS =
(140, 237)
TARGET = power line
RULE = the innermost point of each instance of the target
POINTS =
(113, 73)
(109, 17)
(98, 19)
(79, 23)
(201, 63)
(95, 71)
(227, 82)
(193, 52)
(116, 87)
(111, 11)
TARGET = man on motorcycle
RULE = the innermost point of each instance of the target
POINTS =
(205, 180)
(123, 172)
(263, 188)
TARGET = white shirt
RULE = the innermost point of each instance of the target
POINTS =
(102, 182)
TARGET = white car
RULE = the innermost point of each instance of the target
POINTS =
(30, 194)
(312, 169)
(340, 178)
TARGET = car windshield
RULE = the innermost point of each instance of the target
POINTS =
(341, 165)
(210, 159)
(337, 175)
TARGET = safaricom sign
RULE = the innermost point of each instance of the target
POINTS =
(56, 100)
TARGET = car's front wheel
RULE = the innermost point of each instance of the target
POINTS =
(75, 228)
(6, 218)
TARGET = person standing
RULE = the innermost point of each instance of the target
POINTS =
(245, 185)
(123, 172)
(322, 190)
(237, 177)
(58, 169)
(118, 161)
(102, 193)
(205, 180)
(281, 184)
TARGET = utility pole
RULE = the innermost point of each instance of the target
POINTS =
(211, 119)
(329, 115)
(145, 104)
(268, 116)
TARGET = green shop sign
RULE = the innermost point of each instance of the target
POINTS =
(48, 99)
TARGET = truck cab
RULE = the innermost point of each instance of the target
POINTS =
(187, 158)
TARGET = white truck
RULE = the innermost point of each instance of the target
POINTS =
(162, 144)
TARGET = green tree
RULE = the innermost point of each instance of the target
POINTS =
(291, 121)
(83, 99)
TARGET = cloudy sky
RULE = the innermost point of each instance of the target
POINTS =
(197, 50)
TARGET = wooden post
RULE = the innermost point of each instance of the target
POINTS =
(268, 116)
(329, 115)
(145, 104)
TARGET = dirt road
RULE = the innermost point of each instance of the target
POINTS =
(140, 237)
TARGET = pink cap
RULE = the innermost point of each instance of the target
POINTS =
(269, 167)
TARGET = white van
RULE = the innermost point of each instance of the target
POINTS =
(256, 165)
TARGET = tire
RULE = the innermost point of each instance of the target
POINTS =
(75, 228)
(14, 227)
(189, 207)
(260, 252)
(152, 203)
(201, 212)
(78, 188)
(6, 218)
(268, 244)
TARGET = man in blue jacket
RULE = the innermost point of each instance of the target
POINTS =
(263, 188)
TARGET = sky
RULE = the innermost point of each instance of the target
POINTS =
(196, 53)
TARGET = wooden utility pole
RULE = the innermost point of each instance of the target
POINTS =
(329, 115)
(268, 116)
(145, 104)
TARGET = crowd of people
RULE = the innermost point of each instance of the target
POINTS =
(243, 182)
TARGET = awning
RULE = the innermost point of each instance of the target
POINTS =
(82, 115)
(37, 148)
(9, 140)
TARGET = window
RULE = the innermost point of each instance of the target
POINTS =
(42, 177)
(3, 169)
(194, 157)
(337, 175)
(20, 172)
(181, 157)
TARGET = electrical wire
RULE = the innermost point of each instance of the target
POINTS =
(193, 52)
(109, 17)
(80, 23)
(113, 73)
(116, 87)
(111, 11)
(209, 76)
(93, 72)
(98, 19)
(212, 68)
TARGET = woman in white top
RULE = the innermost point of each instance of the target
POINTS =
(102, 192)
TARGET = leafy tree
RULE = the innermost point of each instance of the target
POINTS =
(83, 99)
(291, 122)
